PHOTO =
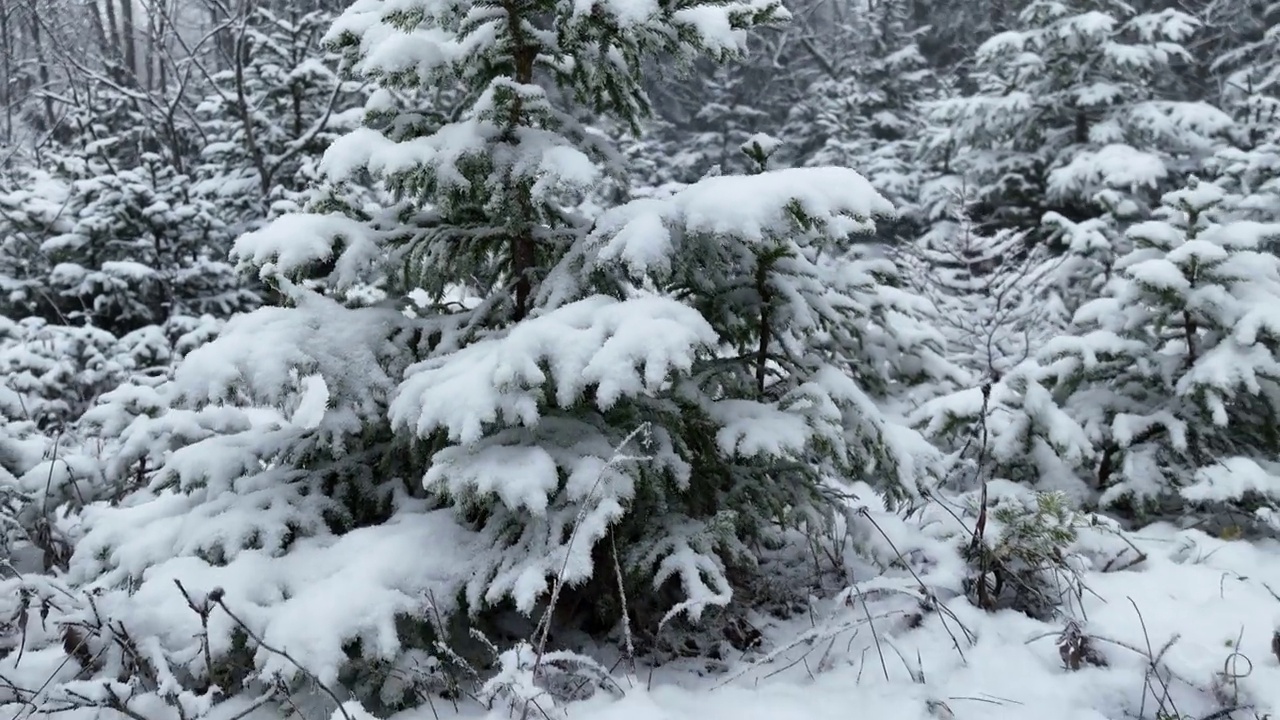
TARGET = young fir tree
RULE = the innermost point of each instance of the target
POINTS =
(1174, 373)
(1250, 170)
(729, 114)
(997, 302)
(1246, 61)
(864, 112)
(116, 246)
(1071, 103)
(1249, 167)
(814, 332)
(495, 420)
(993, 292)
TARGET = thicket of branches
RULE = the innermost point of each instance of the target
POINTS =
(371, 355)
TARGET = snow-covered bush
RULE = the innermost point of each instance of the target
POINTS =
(119, 249)
(548, 400)
(992, 292)
(1020, 553)
(471, 406)
(866, 113)
(810, 334)
(1173, 373)
(997, 304)
(270, 117)
(55, 372)
(1010, 428)
(60, 420)
(1068, 104)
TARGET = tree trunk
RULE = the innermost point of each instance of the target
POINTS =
(114, 47)
(42, 70)
(129, 38)
(6, 67)
(523, 249)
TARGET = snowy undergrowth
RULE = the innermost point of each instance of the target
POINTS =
(343, 506)
(1199, 606)
(1168, 624)
(1159, 624)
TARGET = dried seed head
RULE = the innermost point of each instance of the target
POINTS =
(1076, 649)
(940, 710)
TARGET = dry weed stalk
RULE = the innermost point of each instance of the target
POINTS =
(1075, 647)
(148, 672)
(1226, 683)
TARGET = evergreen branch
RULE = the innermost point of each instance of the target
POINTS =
(217, 597)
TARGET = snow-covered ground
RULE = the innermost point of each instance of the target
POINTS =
(1204, 609)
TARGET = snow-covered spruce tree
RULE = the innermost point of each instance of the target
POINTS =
(730, 113)
(1248, 69)
(556, 411)
(995, 296)
(992, 292)
(118, 247)
(814, 333)
(515, 385)
(1250, 171)
(1174, 373)
(31, 210)
(1246, 62)
(1014, 457)
(1070, 103)
(1249, 167)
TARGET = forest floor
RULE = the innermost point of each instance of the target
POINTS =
(1187, 634)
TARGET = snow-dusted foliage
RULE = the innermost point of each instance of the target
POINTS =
(1249, 168)
(55, 372)
(814, 333)
(713, 135)
(1069, 104)
(89, 242)
(1011, 428)
(271, 116)
(1172, 374)
(515, 399)
(998, 304)
(431, 356)
(866, 111)
(994, 294)
(1251, 175)
(1249, 67)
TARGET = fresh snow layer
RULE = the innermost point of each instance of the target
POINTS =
(1191, 602)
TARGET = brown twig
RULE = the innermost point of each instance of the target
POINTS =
(203, 610)
(216, 596)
